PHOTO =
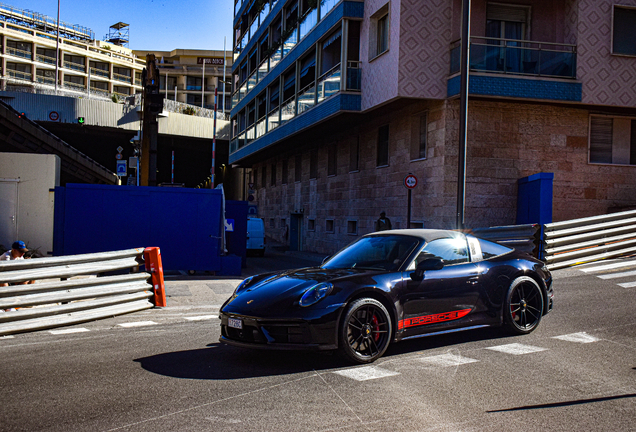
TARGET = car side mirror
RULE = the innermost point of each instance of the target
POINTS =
(427, 264)
(325, 259)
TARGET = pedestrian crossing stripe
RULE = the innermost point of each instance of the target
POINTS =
(448, 359)
(581, 337)
(617, 275)
(516, 349)
(69, 331)
(365, 373)
(137, 324)
(201, 318)
(608, 266)
(627, 285)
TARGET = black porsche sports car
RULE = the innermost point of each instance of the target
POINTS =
(386, 287)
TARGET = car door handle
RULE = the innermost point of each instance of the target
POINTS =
(473, 280)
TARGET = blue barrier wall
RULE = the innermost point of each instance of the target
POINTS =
(237, 239)
(184, 223)
(534, 199)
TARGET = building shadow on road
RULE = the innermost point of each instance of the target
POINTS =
(218, 361)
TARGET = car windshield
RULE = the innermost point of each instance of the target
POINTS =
(381, 252)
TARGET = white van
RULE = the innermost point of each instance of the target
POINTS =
(256, 236)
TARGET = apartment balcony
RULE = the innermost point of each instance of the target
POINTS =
(518, 68)
(15, 52)
(74, 86)
(45, 80)
(19, 75)
(41, 58)
(74, 66)
(517, 57)
(122, 78)
(99, 73)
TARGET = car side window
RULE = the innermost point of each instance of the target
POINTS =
(453, 250)
(475, 249)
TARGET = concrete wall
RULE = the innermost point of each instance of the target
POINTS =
(37, 175)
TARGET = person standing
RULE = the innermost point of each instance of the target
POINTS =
(18, 249)
(384, 223)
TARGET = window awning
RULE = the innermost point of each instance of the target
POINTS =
(306, 65)
(273, 93)
(331, 39)
(290, 81)
(291, 10)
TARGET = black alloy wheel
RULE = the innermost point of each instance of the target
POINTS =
(366, 331)
(524, 305)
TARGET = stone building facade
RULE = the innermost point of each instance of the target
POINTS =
(322, 177)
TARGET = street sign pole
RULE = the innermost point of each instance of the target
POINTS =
(410, 181)
(408, 210)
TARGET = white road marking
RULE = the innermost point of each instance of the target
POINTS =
(7, 337)
(67, 331)
(628, 285)
(516, 349)
(581, 337)
(617, 275)
(366, 373)
(137, 324)
(609, 266)
(447, 360)
(201, 318)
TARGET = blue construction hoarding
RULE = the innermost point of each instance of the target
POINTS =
(185, 223)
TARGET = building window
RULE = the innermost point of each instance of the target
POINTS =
(283, 222)
(311, 224)
(417, 225)
(623, 23)
(285, 171)
(354, 155)
(298, 168)
(379, 34)
(264, 176)
(332, 153)
(273, 175)
(352, 227)
(613, 140)
(313, 164)
(419, 137)
(272, 223)
(329, 225)
(254, 178)
(383, 146)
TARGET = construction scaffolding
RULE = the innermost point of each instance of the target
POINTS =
(45, 24)
(118, 34)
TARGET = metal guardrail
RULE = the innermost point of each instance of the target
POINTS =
(525, 238)
(590, 239)
(53, 304)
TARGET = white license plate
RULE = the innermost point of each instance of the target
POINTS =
(235, 323)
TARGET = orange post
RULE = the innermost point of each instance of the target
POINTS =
(152, 256)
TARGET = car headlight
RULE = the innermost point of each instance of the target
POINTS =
(243, 285)
(316, 293)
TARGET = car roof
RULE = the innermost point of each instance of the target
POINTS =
(425, 234)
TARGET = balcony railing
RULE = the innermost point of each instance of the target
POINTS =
(329, 84)
(74, 86)
(273, 120)
(308, 22)
(123, 78)
(306, 99)
(15, 52)
(45, 59)
(74, 66)
(517, 57)
(25, 76)
(261, 128)
(99, 72)
(354, 75)
(45, 80)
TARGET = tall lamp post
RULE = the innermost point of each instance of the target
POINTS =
(57, 47)
(463, 114)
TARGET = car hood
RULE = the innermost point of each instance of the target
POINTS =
(281, 292)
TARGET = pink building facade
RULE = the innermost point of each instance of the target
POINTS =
(552, 90)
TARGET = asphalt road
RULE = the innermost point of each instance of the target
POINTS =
(576, 372)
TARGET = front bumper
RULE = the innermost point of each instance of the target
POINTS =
(281, 334)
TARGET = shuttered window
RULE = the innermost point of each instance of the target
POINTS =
(601, 139)
(623, 40)
(499, 12)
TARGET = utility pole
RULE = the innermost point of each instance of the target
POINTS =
(463, 114)
(152, 105)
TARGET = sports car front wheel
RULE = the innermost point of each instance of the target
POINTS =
(365, 332)
(524, 305)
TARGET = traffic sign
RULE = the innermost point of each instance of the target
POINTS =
(250, 185)
(410, 181)
(118, 156)
(122, 169)
(252, 210)
(120, 149)
(54, 116)
(229, 225)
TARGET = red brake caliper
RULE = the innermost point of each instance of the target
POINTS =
(376, 327)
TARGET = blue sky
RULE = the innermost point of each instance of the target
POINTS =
(160, 25)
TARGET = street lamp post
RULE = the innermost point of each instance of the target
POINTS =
(463, 114)
(57, 48)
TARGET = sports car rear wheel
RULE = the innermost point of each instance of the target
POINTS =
(365, 332)
(524, 305)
